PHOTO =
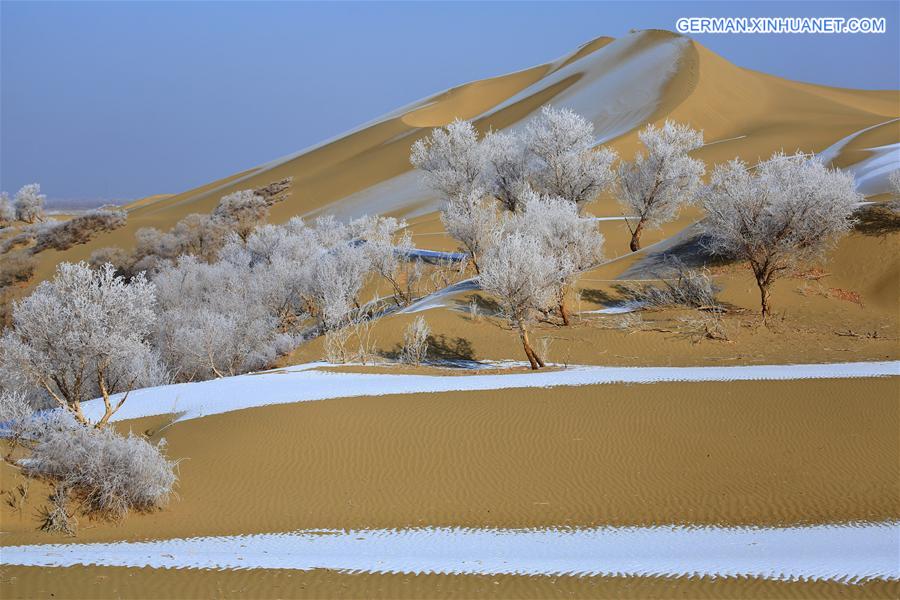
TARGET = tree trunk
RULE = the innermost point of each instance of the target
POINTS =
(533, 358)
(563, 312)
(475, 264)
(764, 299)
(636, 236)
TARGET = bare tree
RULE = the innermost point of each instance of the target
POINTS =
(657, 184)
(30, 203)
(451, 159)
(560, 143)
(785, 211)
(82, 334)
(523, 281)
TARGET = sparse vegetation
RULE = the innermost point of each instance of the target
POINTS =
(29, 203)
(690, 288)
(77, 230)
(415, 342)
(109, 474)
(16, 267)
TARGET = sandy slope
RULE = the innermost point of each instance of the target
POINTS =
(618, 84)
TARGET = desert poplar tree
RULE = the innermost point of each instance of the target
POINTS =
(894, 181)
(505, 170)
(30, 203)
(241, 211)
(470, 219)
(84, 333)
(522, 279)
(451, 159)
(7, 210)
(570, 241)
(786, 211)
(560, 144)
(659, 182)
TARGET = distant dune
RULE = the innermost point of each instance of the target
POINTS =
(620, 84)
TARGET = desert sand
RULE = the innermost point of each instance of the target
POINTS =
(712, 454)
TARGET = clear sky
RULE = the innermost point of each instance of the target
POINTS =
(119, 100)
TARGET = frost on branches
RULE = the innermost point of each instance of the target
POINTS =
(661, 180)
(83, 334)
(786, 211)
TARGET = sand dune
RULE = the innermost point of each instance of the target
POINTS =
(618, 84)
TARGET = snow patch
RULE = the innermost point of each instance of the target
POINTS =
(304, 383)
(845, 553)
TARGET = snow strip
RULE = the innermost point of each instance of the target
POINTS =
(872, 172)
(305, 383)
(846, 553)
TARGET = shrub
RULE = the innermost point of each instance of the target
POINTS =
(78, 230)
(415, 342)
(691, 288)
(16, 267)
(108, 473)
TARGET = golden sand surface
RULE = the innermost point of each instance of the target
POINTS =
(115, 582)
(728, 453)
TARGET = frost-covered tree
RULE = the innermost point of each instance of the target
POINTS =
(451, 159)
(30, 203)
(389, 248)
(7, 210)
(560, 143)
(894, 181)
(213, 319)
(505, 171)
(785, 211)
(82, 334)
(241, 211)
(470, 219)
(659, 182)
(571, 242)
(524, 282)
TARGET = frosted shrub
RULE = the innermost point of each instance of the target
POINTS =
(787, 211)
(690, 288)
(78, 230)
(84, 334)
(29, 203)
(213, 321)
(108, 473)
(564, 161)
(415, 342)
(659, 182)
(522, 279)
(16, 267)
(241, 211)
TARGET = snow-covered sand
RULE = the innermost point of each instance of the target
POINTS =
(847, 553)
(305, 383)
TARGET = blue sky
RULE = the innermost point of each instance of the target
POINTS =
(121, 100)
